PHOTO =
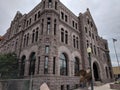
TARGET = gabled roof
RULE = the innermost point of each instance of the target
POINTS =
(18, 15)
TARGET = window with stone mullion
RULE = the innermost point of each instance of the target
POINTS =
(63, 64)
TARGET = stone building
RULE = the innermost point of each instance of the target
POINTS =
(51, 43)
(116, 72)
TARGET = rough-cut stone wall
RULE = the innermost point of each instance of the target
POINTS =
(14, 84)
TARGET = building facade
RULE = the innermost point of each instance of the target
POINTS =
(116, 72)
(51, 43)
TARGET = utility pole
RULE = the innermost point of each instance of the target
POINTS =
(114, 40)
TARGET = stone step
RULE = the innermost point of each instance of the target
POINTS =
(98, 83)
(82, 89)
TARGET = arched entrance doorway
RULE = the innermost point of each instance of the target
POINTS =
(22, 67)
(96, 72)
(32, 63)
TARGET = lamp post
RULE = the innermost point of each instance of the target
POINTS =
(89, 57)
(31, 81)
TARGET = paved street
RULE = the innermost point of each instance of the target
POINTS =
(103, 87)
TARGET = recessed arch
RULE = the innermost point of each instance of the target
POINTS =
(63, 64)
(96, 71)
(22, 65)
(76, 66)
(32, 60)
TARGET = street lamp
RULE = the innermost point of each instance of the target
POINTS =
(89, 57)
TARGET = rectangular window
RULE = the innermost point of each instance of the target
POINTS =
(39, 14)
(90, 33)
(47, 49)
(86, 29)
(27, 23)
(62, 15)
(73, 23)
(77, 42)
(56, 5)
(42, 26)
(54, 58)
(76, 25)
(35, 17)
(46, 65)
(62, 36)
(95, 50)
(44, 4)
(30, 21)
(48, 26)
(55, 29)
(91, 47)
(50, 4)
(66, 18)
(74, 43)
(66, 37)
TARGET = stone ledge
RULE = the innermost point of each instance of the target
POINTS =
(115, 86)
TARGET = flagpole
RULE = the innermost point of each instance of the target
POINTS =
(114, 40)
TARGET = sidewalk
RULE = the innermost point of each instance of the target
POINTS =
(103, 87)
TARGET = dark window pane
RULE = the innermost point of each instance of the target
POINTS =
(63, 64)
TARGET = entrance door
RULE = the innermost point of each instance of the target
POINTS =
(96, 73)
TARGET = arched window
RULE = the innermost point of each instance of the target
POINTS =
(24, 41)
(87, 43)
(22, 67)
(27, 39)
(86, 29)
(77, 42)
(76, 69)
(33, 36)
(62, 35)
(32, 64)
(36, 38)
(95, 50)
(66, 37)
(74, 44)
(63, 64)
(55, 27)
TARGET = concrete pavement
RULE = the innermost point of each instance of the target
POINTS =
(103, 87)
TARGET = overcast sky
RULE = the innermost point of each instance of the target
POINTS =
(106, 14)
